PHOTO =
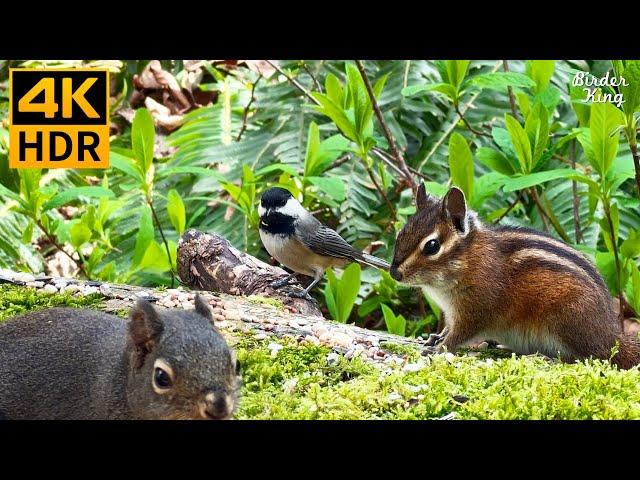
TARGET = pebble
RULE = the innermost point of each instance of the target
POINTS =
(312, 339)
(105, 290)
(274, 348)
(342, 339)
(50, 289)
(218, 310)
(412, 367)
(333, 358)
(187, 305)
(23, 277)
(290, 386)
(260, 336)
(394, 397)
(35, 284)
(72, 288)
(449, 357)
(183, 297)
(219, 317)
(91, 290)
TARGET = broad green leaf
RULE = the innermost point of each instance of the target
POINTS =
(538, 178)
(537, 129)
(524, 104)
(330, 291)
(495, 160)
(124, 164)
(456, 71)
(444, 88)
(606, 263)
(631, 93)
(541, 72)
(634, 287)
(582, 110)
(332, 186)
(395, 324)
(359, 96)
(155, 258)
(142, 138)
(630, 248)
(605, 118)
(175, 208)
(144, 236)
(334, 89)
(501, 80)
(349, 288)
(486, 187)
(461, 164)
(549, 97)
(79, 234)
(520, 142)
(336, 114)
(70, 194)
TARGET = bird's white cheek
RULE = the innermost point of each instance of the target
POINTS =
(261, 210)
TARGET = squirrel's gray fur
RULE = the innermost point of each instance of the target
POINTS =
(66, 363)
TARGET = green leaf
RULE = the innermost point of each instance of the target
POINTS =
(520, 142)
(332, 186)
(486, 187)
(456, 71)
(630, 248)
(313, 144)
(330, 292)
(395, 324)
(605, 118)
(443, 88)
(631, 93)
(359, 96)
(349, 288)
(541, 72)
(336, 114)
(142, 138)
(155, 258)
(525, 181)
(537, 129)
(144, 236)
(79, 235)
(73, 193)
(175, 208)
(501, 80)
(334, 89)
(495, 160)
(606, 263)
(461, 164)
(124, 164)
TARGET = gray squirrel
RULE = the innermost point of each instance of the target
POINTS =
(66, 363)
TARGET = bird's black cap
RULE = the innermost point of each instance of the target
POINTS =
(275, 197)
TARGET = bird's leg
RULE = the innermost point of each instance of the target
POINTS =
(305, 293)
(282, 282)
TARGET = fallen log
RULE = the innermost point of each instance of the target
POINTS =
(207, 261)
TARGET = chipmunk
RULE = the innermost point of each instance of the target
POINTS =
(520, 287)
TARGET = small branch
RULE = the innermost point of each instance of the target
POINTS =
(467, 124)
(636, 163)
(387, 133)
(576, 200)
(313, 77)
(511, 207)
(392, 211)
(55, 243)
(293, 81)
(246, 109)
(512, 99)
(543, 214)
(612, 236)
(339, 161)
(382, 155)
(166, 245)
(452, 126)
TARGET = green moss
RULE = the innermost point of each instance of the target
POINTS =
(300, 383)
(15, 300)
(260, 300)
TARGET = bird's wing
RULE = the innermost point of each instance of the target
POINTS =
(325, 241)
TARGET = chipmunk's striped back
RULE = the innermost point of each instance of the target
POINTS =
(515, 285)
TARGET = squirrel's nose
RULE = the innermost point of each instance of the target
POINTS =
(393, 271)
(217, 406)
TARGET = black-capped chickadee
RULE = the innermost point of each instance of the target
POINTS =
(301, 242)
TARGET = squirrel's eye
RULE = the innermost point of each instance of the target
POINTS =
(161, 378)
(431, 247)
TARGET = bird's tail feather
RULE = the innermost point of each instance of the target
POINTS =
(373, 261)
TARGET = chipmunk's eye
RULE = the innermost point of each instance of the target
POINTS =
(161, 378)
(431, 247)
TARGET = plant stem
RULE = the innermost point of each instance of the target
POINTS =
(166, 245)
(467, 124)
(614, 244)
(536, 200)
(380, 190)
(511, 206)
(54, 242)
(636, 162)
(246, 109)
(316, 83)
(512, 98)
(576, 200)
(387, 133)
(294, 82)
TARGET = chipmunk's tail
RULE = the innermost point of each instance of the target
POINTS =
(628, 351)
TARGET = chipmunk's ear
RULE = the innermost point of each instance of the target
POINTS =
(455, 208)
(145, 327)
(202, 308)
(423, 199)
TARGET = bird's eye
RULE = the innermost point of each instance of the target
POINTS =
(161, 378)
(431, 247)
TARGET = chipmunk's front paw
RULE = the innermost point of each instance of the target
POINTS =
(434, 339)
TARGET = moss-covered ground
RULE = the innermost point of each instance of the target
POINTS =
(300, 382)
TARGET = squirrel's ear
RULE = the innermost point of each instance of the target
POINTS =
(145, 327)
(202, 308)
(455, 208)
